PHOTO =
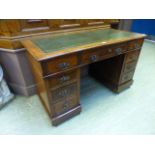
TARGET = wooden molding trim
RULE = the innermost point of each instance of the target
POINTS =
(53, 32)
(14, 42)
(12, 50)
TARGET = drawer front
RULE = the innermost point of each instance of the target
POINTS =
(63, 79)
(94, 22)
(92, 55)
(103, 53)
(132, 56)
(65, 105)
(64, 92)
(60, 64)
(119, 48)
(130, 66)
(126, 77)
(135, 44)
(34, 24)
(114, 50)
(69, 23)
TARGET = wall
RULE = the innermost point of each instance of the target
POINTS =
(125, 24)
(18, 72)
(146, 26)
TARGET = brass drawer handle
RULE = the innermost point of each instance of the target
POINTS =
(93, 58)
(137, 45)
(64, 78)
(64, 65)
(65, 106)
(109, 50)
(118, 51)
(126, 77)
(131, 58)
(129, 67)
(63, 93)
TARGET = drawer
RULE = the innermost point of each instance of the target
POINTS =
(135, 44)
(132, 56)
(94, 22)
(91, 56)
(103, 53)
(119, 48)
(65, 105)
(114, 50)
(97, 54)
(59, 64)
(64, 92)
(63, 79)
(34, 24)
(130, 66)
(69, 23)
(126, 77)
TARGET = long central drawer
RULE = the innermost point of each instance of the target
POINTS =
(102, 53)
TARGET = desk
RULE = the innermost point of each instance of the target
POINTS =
(56, 61)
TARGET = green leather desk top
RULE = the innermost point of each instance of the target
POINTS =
(64, 41)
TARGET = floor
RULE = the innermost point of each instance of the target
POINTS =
(130, 112)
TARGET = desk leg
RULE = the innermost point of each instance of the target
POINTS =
(112, 73)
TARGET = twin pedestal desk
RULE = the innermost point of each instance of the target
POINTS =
(57, 59)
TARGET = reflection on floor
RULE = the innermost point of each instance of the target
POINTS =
(130, 112)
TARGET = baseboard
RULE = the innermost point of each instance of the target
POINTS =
(22, 90)
(63, 117)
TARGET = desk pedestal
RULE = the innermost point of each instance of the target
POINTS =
(116, 73)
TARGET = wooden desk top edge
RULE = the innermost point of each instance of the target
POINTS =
(39, 55)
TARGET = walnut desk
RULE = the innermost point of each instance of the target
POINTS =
(56, 61)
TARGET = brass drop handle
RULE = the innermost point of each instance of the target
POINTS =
(131, 57)
(64, 78)
(93, 58)
(118, 51)
(126, 77)
(65, 106)
(137, 45)
(129, 67)
(63, 93)
(109, 50)
(64, 65)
